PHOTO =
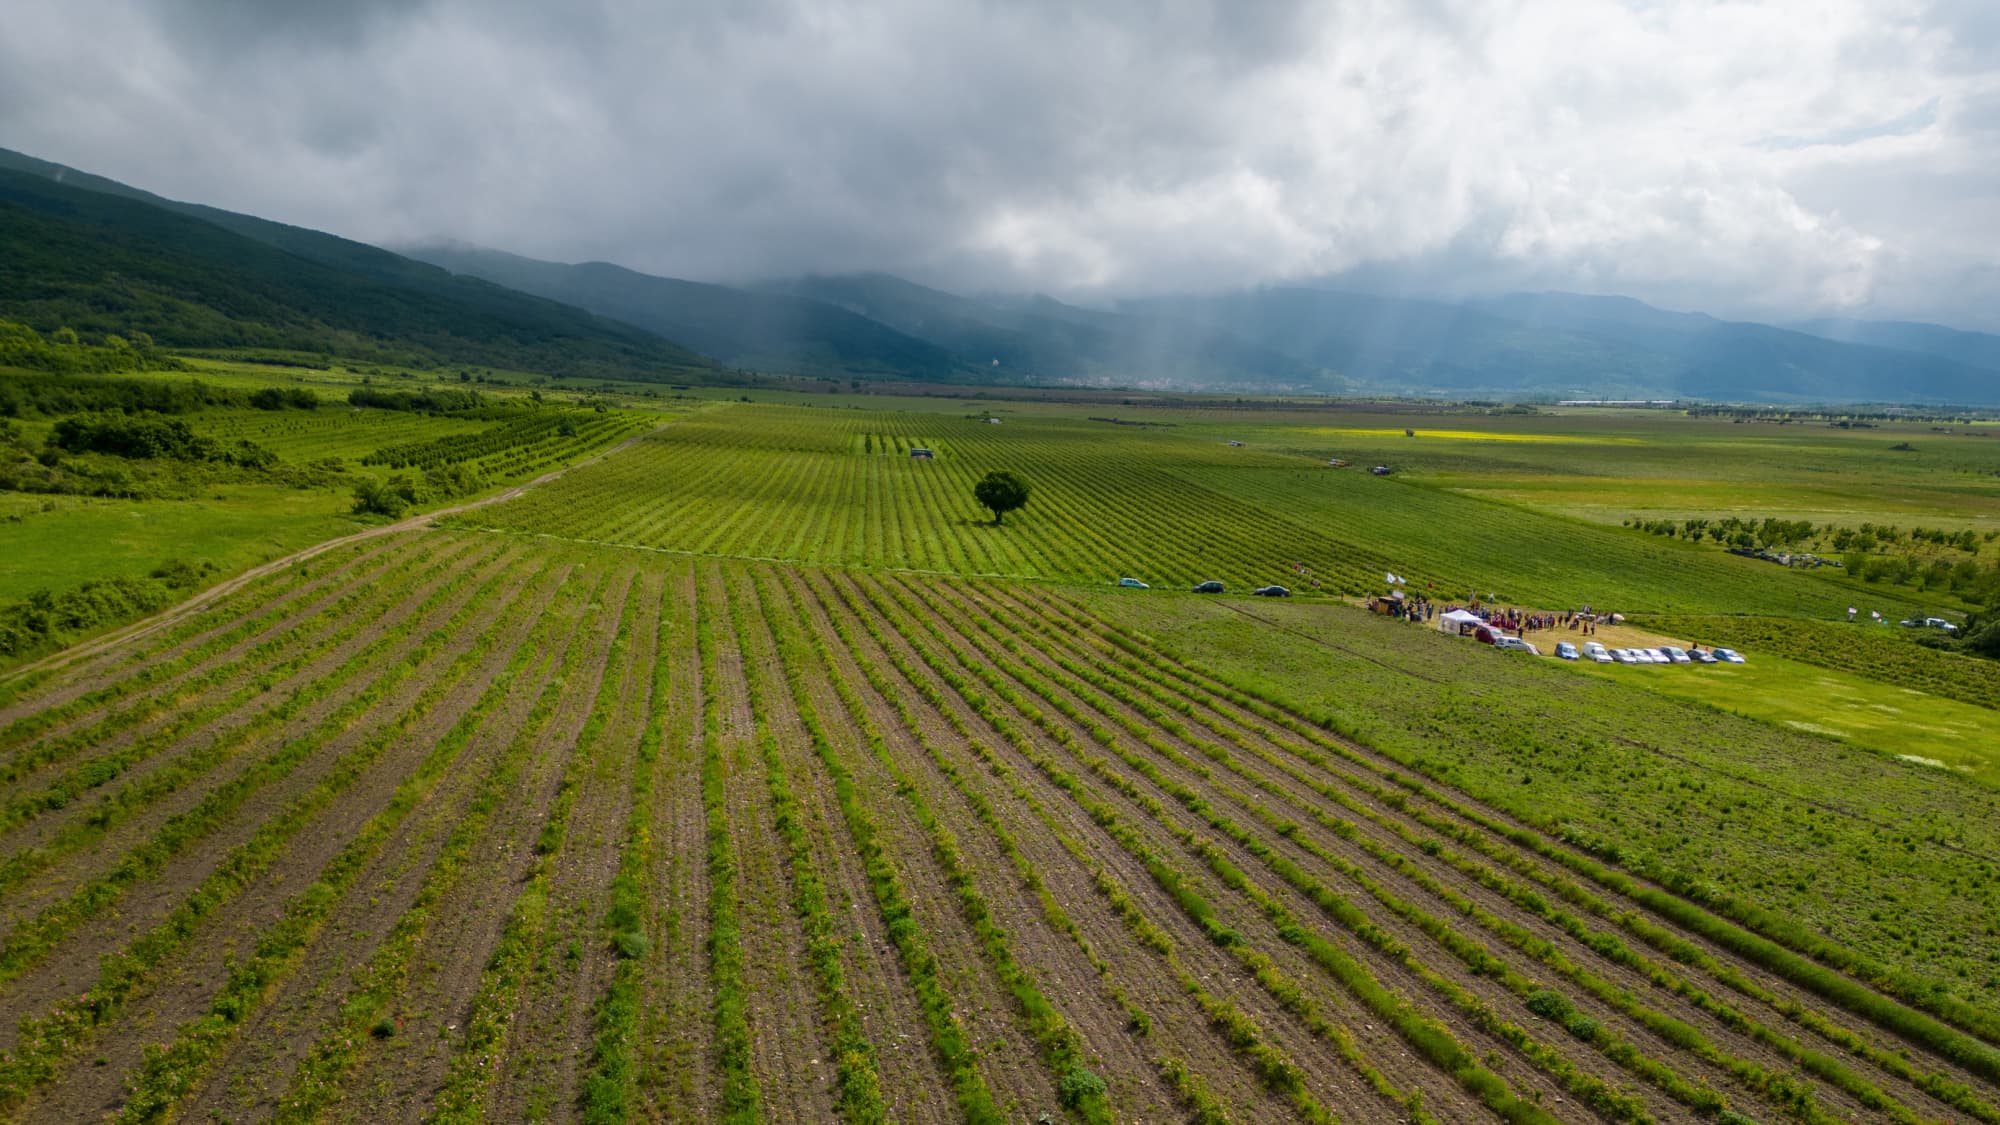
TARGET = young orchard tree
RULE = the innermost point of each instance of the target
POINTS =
(1000, 492)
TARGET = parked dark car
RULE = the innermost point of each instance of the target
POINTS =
(1209, 587)
(1272, 592)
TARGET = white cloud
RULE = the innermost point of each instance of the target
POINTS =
(1775, 157)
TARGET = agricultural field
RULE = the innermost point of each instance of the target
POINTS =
(1607, 465)
(748, 772)
(784, 842)
(838, 487)
(122, 519)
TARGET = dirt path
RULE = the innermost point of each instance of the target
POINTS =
(119, 638)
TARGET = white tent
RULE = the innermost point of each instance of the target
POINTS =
(1455, 621)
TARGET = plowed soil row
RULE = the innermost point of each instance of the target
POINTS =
(890, 1017)
(1046, 853)
(85, 837)
(1177, 1027)
(155, 680)
(256, 1079)
(358, 770)
(1331, 1079)
(1406, 815)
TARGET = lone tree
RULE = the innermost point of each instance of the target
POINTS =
(1000, 491)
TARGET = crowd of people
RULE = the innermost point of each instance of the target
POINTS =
(1417, 610)
(1581, 621)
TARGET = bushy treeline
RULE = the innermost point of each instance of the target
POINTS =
(430, 400)
(64, 351)
(46, 619)
(139, 457)
(402, 491)
(50, 396)
(1880, 553)
(142, 436)
(285, 398)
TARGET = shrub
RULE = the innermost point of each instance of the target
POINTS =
(1550, 1005)
(1078, 1083)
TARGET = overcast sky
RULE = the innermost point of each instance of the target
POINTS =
(1768, 158)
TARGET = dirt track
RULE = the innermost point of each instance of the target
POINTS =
(145, 627)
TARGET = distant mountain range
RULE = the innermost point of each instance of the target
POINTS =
(100, 256)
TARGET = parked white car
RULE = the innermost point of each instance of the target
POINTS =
(1514, 644)
(1677, 655)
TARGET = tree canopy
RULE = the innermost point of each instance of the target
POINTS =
(1001, 492)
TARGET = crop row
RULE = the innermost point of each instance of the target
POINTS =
(55, 693)
(1270, 915)
(1629, 901)
(433, 670)
(1086, 520)
(1240, 1032)
(793, 484)
(169, 1073)
(1549, 957)
(1156, 696)
(455, 603)
(166, 691)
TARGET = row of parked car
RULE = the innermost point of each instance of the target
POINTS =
(1664, 654)
(1213, 587)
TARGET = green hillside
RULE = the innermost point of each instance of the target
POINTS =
(101, 263)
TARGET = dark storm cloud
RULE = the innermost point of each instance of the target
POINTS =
(1776, 158)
